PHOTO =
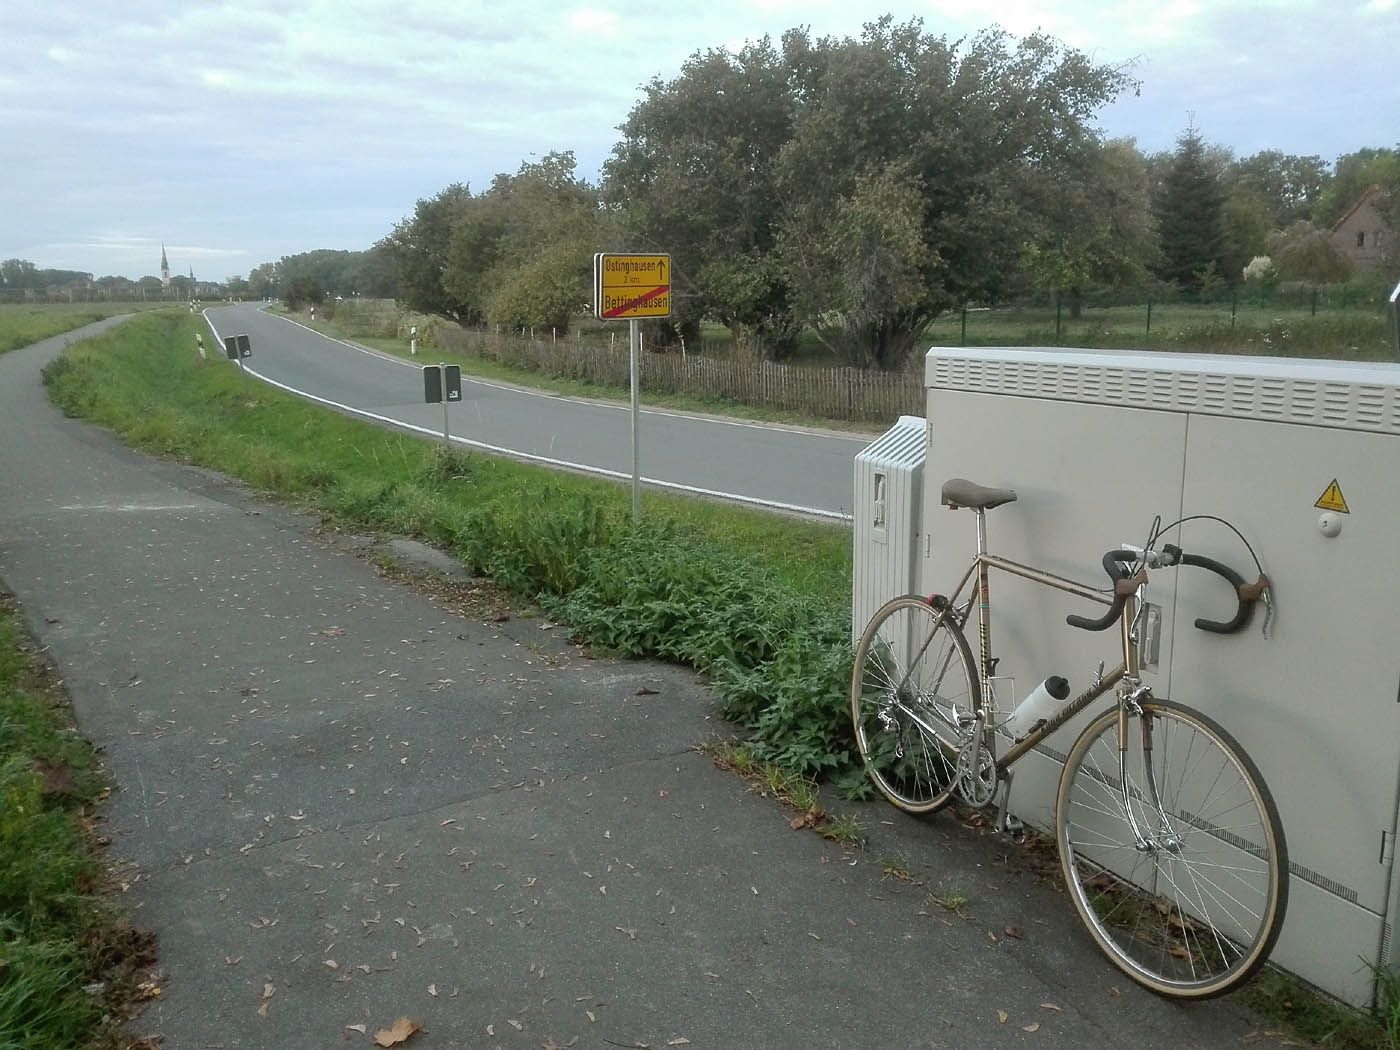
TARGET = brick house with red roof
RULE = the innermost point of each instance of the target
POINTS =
(1362, 233)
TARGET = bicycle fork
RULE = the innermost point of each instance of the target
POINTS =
(1163, 838)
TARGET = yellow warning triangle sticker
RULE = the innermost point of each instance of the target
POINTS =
(1333, 499)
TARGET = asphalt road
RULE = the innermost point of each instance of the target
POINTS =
(789, 468)
(343, 799)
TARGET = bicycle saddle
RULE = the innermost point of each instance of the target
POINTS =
(959, 492)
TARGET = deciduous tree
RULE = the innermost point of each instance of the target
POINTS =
(693, 176)
(419, 247)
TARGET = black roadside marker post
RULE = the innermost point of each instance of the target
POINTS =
(442, 384)
(237, 348)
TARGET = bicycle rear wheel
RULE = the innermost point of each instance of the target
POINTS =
(914, 680)
(1182, 878)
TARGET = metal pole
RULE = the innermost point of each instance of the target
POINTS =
(635, 339)
(446, 438)
(1395, 316)
(963, 339)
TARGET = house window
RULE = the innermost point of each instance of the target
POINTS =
(1361, 238)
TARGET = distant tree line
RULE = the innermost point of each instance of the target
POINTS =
(856, 189)
(312, 276)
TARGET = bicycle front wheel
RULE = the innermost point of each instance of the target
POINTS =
(913, 687)
(1173, 852)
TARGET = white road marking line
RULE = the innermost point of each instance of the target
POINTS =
(548, 461)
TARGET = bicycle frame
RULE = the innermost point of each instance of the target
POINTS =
(979, 571)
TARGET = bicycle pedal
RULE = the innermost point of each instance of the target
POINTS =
(1013, 827)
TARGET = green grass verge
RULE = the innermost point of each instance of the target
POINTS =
(761, 603)
(25, 323)
(69, 963)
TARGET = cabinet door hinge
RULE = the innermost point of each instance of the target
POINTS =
(1387, 848)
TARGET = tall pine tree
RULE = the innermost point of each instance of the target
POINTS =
(1190, 208)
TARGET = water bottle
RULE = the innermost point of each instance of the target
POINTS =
(1041, 705)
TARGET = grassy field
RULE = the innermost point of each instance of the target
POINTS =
(70, 965)
(25, 323)
(1356, 333)
(758, 602)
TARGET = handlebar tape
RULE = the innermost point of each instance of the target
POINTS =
(1121, 575)
(1246, 594)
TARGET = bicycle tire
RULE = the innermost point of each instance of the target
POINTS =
(1192, 907)
(914, 677)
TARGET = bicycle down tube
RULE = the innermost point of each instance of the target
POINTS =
(982, 596)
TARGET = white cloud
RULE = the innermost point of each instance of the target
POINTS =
(593, 22)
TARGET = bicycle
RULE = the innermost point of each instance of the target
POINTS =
(1170, 843)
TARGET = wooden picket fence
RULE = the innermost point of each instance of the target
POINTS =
(849, 394)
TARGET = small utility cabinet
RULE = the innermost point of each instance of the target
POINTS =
(1303, 457)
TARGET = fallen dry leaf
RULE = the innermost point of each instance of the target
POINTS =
(1033, 1026)
(269, 990)
(399, 1032)
(355, 1028)
(1002, 1016)
(680, 1040)
(432, 990)
(1050, 1006)
(1015, 931)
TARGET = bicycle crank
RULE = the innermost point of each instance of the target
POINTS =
(977, 772)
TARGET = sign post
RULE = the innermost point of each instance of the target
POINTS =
(237, 347)
(632, 287)
(442, 383)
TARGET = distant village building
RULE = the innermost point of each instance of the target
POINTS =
(1361, 233)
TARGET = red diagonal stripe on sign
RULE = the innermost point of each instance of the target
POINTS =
(641, 300)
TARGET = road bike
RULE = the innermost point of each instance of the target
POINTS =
(1170, 843)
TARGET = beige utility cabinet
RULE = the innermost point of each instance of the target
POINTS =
(1096, 443)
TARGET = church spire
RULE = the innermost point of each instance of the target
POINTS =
(164, 267)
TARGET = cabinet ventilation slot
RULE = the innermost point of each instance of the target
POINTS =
(1357, 406)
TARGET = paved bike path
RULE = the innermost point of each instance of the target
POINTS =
(342, 800)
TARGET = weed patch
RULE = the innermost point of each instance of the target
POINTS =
(68, 962)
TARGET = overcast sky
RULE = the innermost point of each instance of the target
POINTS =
(239, 133)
